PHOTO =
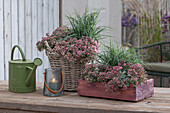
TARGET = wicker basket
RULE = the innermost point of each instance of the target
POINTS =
(71, 71)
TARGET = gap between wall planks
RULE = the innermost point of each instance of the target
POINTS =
(23, 23)
(1, 41)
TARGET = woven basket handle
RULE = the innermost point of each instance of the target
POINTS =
(47, 45)
(54, 92)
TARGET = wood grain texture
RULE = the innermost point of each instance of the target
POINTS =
(14, 26)
(24, 22)
(165, 82)
(28, 29)
(7, 33)
(72, 103)
(144, 90)
(60, 13)
(1, 40)
(21, 18)
(45, 28)
(56, 13)
(97, 89)
(40, 34)
(34, 30)
(157, 80)
(51, 16)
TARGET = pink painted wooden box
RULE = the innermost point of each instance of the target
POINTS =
(97, 89)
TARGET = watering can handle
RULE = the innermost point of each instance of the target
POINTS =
(54, 92)
(22, 54)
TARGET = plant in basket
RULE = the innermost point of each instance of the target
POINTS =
(71, 48)
(59, 34)
(78, 43)
(118, 75)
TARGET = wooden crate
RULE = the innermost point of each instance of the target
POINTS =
(97, 89)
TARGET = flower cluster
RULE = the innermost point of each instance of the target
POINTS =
(59, 34)
(129, 20)
(84, 49)
(73, 49)
(95, 72)
(165, 20)
(116, 77)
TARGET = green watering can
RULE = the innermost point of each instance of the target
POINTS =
(22, 73)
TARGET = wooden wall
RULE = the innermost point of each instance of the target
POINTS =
(110, 16)
(23, 23)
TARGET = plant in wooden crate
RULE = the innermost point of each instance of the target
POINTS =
(71, 48)
(119, 75)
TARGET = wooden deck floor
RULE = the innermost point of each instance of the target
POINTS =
(72, 103)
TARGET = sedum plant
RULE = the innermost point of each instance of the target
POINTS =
(79, 43)
(117, 77)
(82, 50)
(58, 34)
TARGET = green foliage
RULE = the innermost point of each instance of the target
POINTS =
(150, 29)
(86, 25)
(113, 55)
(150, 16)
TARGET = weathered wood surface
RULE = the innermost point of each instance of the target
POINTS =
(1, 38)
(97, 89)
(72, 103)
(23, 23)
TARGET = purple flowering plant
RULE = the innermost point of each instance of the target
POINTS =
(117, 77)
(165, 21)
(129, 19)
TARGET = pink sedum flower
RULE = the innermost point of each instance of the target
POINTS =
(83, 50)
(117, 77)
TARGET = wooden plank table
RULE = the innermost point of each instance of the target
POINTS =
(72, 103)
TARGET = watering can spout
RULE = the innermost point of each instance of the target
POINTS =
(37, 62)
